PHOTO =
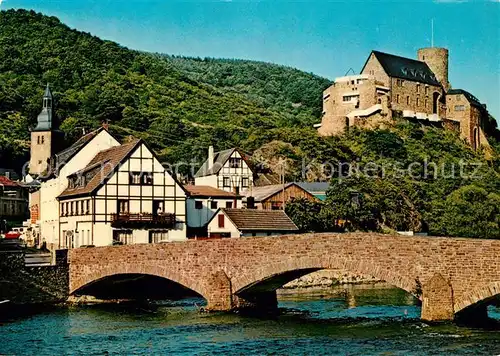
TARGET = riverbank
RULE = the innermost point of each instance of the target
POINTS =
(325, 279)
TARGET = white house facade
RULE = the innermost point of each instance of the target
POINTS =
(65, 163)
(202, 203)
(227, 170)
(123, 196)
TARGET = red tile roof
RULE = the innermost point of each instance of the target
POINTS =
(207, 191)
(100, 168)
(7, 182)
(260, 220)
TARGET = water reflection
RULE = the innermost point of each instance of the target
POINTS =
(358, 320)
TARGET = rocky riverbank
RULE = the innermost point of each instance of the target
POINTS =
(324, 279)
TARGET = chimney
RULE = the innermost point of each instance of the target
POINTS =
(210, 157)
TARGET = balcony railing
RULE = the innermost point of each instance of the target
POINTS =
(143, 220)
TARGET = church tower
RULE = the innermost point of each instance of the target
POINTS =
(43, 136)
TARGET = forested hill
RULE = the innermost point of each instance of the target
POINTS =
(179, 105)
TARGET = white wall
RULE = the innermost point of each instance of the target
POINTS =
(51, 189)
(213, 226)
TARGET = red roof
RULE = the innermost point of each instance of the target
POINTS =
(7, 182)
(207, 191)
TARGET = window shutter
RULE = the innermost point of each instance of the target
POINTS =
(221, 220)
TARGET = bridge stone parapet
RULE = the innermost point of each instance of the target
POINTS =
(447, 274)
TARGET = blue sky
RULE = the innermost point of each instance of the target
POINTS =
(326, 38)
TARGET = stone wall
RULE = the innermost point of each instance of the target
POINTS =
(258, 265)
(27, 285)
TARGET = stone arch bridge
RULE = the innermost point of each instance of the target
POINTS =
(449, 275)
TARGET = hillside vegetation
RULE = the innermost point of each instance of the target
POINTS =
(181, 105)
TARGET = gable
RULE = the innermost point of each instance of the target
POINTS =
(221, 160)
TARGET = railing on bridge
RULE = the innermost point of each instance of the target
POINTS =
(139, 220)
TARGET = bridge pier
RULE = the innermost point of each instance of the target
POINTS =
(265, 301)
(437, 300)
(219, 296)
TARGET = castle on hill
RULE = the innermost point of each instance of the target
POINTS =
(415, 89)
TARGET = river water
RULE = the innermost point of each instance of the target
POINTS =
(359, 320)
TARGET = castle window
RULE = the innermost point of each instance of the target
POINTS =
(426, 102)
(459, 107)
(418, 101)
(426, 90)
(43, 139)
(418, 88)
(408, 100)
(397, 98)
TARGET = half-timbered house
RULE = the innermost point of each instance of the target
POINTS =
(123, 196)
(228, 170)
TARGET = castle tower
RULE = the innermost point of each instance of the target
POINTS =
(437, 60)
(42, 136)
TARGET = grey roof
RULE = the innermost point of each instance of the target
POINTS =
(220, 158)
(405, 68)
(263, 192)
(65, 155)
(45, 120)
(314, 187)
(470, 98)
(260, 220)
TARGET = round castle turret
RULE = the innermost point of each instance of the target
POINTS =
(437, 60)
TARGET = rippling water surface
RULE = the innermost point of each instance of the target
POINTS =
(358, 322)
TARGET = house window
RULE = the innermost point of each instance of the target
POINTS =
(135, 178)
(229, 205)
(221, 220)
(82, 207)
(141, 178)
(72, 207)
(77, 203)
(459, 107)
(226, 182)
(158, 236)
(235, 162)
(62, 209)
(213, 204)
(122, 237)
(123, 206)
(198, 204)
(87, 210)
(244, 182)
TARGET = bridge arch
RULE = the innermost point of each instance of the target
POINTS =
(252, 279)
(477, 296)
(101, 273)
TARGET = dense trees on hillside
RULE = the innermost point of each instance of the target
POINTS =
(179, 105)
(405, 177)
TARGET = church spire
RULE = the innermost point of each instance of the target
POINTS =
(45, 121)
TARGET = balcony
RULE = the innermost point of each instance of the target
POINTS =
(143, 220)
